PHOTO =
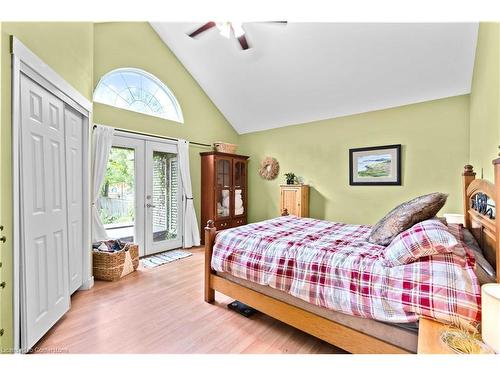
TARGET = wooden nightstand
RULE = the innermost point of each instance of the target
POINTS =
(295, 198)
(429, 341)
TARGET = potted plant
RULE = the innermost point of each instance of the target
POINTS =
(290, 178)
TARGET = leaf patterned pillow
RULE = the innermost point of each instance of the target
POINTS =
(404, 216)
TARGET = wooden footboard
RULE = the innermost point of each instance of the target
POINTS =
(330, 331)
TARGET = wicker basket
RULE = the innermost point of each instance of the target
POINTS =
(109, 266)
(228, 148)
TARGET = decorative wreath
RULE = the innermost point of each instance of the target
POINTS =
(269, 168)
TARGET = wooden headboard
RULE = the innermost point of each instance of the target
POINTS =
(479, 216)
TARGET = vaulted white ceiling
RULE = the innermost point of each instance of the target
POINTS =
(302, 72)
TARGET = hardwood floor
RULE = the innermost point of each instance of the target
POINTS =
(161, 310)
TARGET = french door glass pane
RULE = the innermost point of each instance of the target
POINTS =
(164, 198)
(117, 198)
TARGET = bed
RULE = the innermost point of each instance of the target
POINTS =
(352, 299)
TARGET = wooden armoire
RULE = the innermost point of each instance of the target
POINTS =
(224, 190)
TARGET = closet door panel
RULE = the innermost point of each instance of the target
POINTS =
(44, 249)
(73, 123)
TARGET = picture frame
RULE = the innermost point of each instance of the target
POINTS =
(379, 165)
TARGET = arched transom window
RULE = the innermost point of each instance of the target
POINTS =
(139, 91)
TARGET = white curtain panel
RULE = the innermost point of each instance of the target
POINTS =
(102, 140)
(190, 227)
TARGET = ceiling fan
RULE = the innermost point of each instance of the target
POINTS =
(228, 29)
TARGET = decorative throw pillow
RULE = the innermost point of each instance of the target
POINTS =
(426, 238)
(404, 216)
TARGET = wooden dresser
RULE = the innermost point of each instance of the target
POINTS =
(223, 190)
(295, 198)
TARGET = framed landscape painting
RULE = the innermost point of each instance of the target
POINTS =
(375, 165)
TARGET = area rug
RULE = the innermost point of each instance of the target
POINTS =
(164, 258)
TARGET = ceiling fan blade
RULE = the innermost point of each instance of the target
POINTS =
(243, 42)
(203, 28)
(271, 22)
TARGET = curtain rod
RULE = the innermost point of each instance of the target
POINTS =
(159, 136)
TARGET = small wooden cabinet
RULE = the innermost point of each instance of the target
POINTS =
(429, 341)
(224, 190)
(295, 198)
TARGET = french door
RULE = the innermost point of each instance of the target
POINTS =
(163, 198)
(141, 198)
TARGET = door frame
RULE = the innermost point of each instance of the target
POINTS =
(27, 63)
(140, 208)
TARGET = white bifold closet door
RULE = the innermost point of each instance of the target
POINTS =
(73, 124)
(51, 209)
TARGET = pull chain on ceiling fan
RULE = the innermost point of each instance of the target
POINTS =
(228, 29)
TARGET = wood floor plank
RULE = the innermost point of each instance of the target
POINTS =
(161, 310)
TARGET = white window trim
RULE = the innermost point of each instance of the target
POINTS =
(26, 62)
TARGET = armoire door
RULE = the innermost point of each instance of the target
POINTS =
(73, 124)
(223, 188)
(239, 187)
(44, 256)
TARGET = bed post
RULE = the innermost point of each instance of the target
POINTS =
(496, 166)
(209, 246)
(468, 176)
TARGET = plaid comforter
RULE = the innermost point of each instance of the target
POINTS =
(331, 265)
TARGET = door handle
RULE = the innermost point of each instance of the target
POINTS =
(149, 205)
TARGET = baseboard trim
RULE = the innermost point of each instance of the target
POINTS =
(88, 284)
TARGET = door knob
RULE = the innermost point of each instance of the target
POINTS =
(149, 205)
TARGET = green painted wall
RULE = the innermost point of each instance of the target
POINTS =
(130, 44)
(434, 136)
(485, 100)
(67, 47)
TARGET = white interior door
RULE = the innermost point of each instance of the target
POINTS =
(163, 198)
(44, 256)
(73, 125)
